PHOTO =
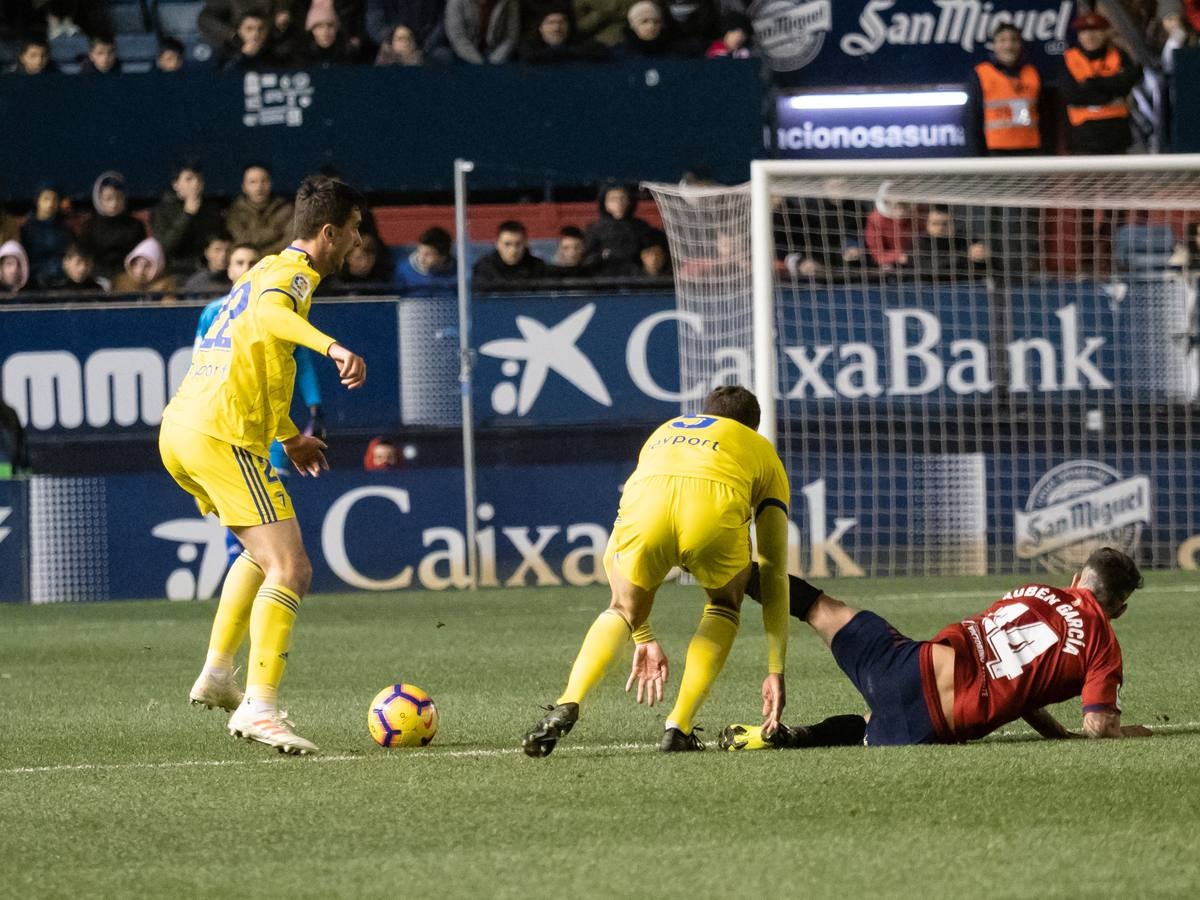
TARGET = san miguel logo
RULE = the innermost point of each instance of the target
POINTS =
(790, 33)
(1079, 506)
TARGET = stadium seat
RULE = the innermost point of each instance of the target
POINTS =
(1142, 247)
(68, 49)
(137, 51)
(129, 17)
(179, 18)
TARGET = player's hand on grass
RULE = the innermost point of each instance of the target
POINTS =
(306, 454)
(352, 368)
(649, 670)
(774, 697)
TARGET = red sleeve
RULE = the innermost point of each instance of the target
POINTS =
(1103, 680)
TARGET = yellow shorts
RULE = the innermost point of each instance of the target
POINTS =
(243, 489)
(670, 520)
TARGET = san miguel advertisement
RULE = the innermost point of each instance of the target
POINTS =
(822, 43)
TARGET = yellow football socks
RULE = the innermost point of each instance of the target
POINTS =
(603, 642)
(232, 620)
(705, 656)
(271, 622)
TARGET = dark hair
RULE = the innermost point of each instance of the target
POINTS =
(1117, 577)
(511, 225)
(244, 246)
(189, 164)
(221, 235)
(33, 40)
(1006, 26)
(571, 231)
(655, 237)
(436, 237)
(732, 401)
(80, 249)
(322, 201)
(255, 13)
(101, 37)
(938, 208)
(166, 42)
(256, 164)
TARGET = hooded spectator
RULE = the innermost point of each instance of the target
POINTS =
(400, 49)
(425, 19)
(554, 42)
(211, 279)
(483, 31)
(511, 261)
(646, 34)
(616, 238)
(45, 236)
(324, 43)
(101, 57)
(257, 218)
(602, 20)
(77, 266)
(145, 271)
(14, 267)
(381, 455)
(429, 269)
(111, 231)
(185, 219)
(34, 58)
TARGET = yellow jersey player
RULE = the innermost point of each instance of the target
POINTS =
(699, 482)
(215, 439)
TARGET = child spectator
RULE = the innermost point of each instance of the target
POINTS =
(555, 42)
(34, 58)
(429, 269)
(45, 236)
(184, 219)
(483, 31)
(111, 232)
(654, 259)
(734, 42)
(14, 267)
(170, 54)
(212, 278)
(645, 34)
(324, 43)
(381, 455)
(101, 57)
(242, 258)
(400, 49)
(77, 265)
(888, 233)
(511, 261)
(425, 19)
(602, 20)
(616, 238)
(569, 255)
(257, 218)
(145, 271)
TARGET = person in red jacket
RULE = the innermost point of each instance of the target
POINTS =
(889, 233)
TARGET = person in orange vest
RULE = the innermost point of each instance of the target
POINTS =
(1004, 93)
(1099, 78)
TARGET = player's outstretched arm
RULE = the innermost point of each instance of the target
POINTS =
(1047, 726)
(352, 368)
(771, 528)
(1108, 725)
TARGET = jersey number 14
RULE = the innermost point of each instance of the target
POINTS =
(1017, 646)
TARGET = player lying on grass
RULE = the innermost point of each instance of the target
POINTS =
(1034, 646)
(214, 441)
(699, 481)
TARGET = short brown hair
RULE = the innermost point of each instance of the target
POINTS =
(1117, 577)
(322, 201)
(732, 401)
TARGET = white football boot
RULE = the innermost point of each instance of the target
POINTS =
(270, 727)
(217, 690)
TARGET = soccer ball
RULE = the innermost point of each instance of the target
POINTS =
(402, 715)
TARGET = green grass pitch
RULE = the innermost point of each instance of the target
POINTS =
(112, 785)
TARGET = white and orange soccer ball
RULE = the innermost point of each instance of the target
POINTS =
(402, 715)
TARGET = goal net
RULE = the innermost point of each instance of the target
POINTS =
(975, 365)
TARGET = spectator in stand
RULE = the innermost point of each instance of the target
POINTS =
(45, 236)
(1004, 95)
(145, 271)
(254, 47)
(728, 258)
(429, 269)
(381, 455)
(1178, 23)
(889, 232)
(1187, 253)
(365, 264)
(400, 49)
(34, 58)
(691, 24)
(483, 31)
(816, 236)
(646, 34)
(534, 11)
(101, 56)
(184, 219)
(14, 451)
(14, 268)
(111, 231)
(511, 261)
(257, 218)
(425, 19)
(324, 43)
(602, 20)
(1099, 77)
(654, 259)
(212, 278)
(554, 42)
(940, 254)
(221, 21)
(77, 265)
(734, 42)
(170, 54)
(570, 254)
(242, 258)
(615, 239)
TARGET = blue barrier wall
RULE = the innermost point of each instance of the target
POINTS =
(390, 128)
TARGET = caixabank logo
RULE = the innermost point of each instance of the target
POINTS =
(1079, 506)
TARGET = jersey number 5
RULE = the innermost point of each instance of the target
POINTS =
(1018, 646)
(235, 304)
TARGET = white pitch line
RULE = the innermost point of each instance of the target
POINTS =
(443, 754)
(984, 595)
